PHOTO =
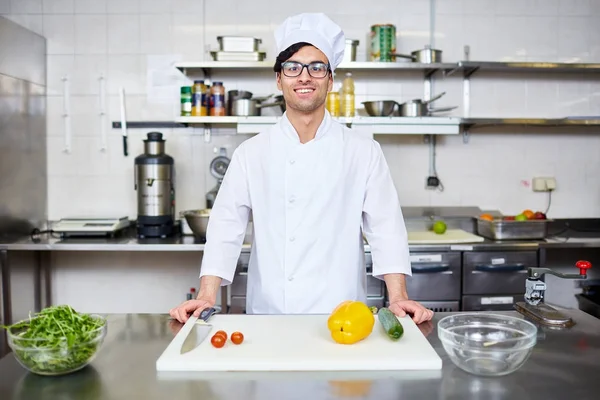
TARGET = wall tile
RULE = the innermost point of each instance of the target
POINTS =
(123, 34)
(156, 34)
(575, 7)
(59, 31)
(5, 6)
(124, 6)
(90, 6)
(90, 34)
(86, 73)
(26, 6)
(58, 6)
(574, 40)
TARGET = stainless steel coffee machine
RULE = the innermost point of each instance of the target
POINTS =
(155, 185)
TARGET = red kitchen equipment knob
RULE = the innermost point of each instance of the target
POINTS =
(583, 266)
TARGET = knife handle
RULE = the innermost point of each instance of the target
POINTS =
(207, 313)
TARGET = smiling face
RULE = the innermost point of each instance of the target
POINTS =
(305, 93)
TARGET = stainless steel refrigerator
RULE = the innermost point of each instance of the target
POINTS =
(23, 171)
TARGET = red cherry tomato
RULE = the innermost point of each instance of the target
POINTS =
(222, 333)
(237, 337)
(217, 341)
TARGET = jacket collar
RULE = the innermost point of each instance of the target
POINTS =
(290, 132)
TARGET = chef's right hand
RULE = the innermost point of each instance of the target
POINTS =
(190, 307)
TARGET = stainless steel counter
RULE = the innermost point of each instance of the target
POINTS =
(189, 243)
(564, 364)
(130, 242)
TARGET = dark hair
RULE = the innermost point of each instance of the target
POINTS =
(287, 54)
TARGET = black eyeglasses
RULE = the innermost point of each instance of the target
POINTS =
(315, 69)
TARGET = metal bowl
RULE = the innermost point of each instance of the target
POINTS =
(381, 108)
(487, 344)
(197, 221)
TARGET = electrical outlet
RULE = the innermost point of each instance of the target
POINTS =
(544, 184)
(432, 182)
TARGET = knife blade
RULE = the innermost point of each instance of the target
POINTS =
(199, 331)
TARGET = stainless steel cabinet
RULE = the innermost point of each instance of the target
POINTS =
(495, 280)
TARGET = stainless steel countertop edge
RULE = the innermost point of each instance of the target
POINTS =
(189, 243)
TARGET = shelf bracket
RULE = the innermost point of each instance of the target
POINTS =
(466, 133)
(207, 133)
(206, 72)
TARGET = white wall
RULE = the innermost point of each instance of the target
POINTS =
(121, 39)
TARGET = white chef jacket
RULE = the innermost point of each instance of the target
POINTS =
(310, 205)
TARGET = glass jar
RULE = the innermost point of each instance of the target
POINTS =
(186, 101)
(199, 103)
(217, 100)
(333, 104)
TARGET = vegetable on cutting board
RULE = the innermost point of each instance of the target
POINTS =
(350, 322)
(56, 340)
(393, 328)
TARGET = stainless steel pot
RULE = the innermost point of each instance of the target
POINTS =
(234, 95)
(424, 56)
(250, 107)
(420, 108)
(350, 50)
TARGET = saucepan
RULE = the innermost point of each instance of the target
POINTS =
(426, 55)
(420, 108)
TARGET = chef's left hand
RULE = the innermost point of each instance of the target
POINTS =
(418, 312)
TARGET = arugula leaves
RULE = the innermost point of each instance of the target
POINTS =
(56, 340)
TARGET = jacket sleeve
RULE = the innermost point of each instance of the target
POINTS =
(228, 222)
(383, 222)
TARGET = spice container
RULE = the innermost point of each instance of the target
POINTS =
(186, 101)
(217, 100)
(199, 99)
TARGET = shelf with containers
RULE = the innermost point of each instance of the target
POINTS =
(400, 125)
(379, 125)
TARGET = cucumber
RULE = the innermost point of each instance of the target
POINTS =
(390, 323)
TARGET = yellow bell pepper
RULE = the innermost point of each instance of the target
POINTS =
(351, 322)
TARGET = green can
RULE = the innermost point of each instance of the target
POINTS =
(383, 43)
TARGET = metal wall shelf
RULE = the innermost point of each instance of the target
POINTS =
(380, 125)
(402, 125)
(471, 66)
(467, 66)
(192, 67)
(572, 121)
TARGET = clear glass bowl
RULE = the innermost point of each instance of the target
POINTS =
(45, 357)
(487, 344)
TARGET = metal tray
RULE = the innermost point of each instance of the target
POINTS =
(512, 230)
(238, 56)
(239, 43)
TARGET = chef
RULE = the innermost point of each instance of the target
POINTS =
(313, 188)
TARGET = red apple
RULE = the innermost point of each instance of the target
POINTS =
(539, 215)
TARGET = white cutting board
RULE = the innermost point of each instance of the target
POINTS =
(299, 343)
(448, 237)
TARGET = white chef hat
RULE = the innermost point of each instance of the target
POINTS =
(316, 29)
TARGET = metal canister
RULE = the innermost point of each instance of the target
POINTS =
(383, 42)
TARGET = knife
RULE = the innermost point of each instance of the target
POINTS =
(199, 332)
